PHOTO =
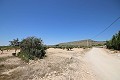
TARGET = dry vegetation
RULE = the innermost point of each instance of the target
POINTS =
(58, 65)
(7, 64)
(57, 62)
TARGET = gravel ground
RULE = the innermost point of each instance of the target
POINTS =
(58, 65)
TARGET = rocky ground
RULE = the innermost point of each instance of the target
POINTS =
(77, 64)
(58, 65)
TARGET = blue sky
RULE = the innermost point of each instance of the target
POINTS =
(57, 21)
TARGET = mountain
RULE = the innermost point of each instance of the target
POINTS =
(84, 43)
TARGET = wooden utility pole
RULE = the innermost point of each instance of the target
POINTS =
(87, 43)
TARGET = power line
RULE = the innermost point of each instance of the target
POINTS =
(106, 28)
(103, 30)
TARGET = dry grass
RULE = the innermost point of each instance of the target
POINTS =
(58, 65)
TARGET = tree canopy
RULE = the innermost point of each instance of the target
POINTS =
(114, 43)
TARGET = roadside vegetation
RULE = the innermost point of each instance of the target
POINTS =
(67, 47)
(30, 48)
(114, 43)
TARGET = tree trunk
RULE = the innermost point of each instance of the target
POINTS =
(2, 51)
(15, 50)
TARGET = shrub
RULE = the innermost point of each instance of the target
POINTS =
(69, 47)
(63, 47)
(32, 48)
(23, 56)
(114, 43)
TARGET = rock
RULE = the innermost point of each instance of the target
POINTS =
(118, 55)
(54, 72)
(87, 72)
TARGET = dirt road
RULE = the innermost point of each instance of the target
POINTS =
(78, 64)
(106, 67)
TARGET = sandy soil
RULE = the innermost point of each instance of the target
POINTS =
(105, 66)
(77, 64)
(7, 53)
(58, 65)
(114, 53)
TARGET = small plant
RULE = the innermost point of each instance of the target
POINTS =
(63, 47)
(69, 47)
(2, 49)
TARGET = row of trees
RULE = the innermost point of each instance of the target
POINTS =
(114, 43)
(68, 47)
(7, 48)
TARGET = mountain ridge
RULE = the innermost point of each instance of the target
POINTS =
(88, 42)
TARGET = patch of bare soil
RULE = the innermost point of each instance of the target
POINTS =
(115, 53)
(7, 64)
(7, 53)
(104, 65)
(58, 65)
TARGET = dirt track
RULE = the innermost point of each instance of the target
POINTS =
(106, 67)
(95, 64)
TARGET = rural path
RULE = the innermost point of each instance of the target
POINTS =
(105, 66)
(78, 64)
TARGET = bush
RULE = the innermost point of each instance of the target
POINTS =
(32, 48)
(69, 47)
(23, 56)
(114, 43)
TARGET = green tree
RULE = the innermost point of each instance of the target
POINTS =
(70, 47)
(32, 48)
(114, 43)
(1, 50)
(15, 44)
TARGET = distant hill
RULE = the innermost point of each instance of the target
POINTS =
(83, 43)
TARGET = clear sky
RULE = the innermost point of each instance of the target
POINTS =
(58, 21)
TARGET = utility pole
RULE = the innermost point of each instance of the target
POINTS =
(90, 43)
(87, 43)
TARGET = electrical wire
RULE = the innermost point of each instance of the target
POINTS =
(105, 28)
